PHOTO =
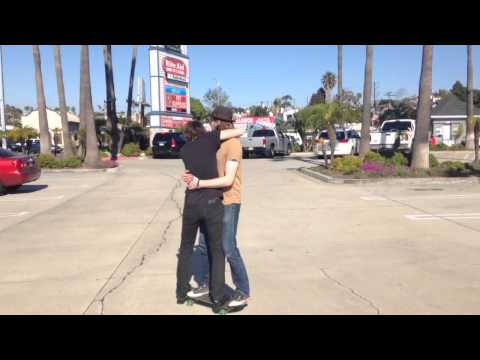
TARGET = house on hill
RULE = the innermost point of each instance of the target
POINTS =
(54, 121)
(449, 120)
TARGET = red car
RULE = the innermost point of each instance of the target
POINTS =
(16, 170)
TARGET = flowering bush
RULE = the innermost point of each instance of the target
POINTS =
(374, 168)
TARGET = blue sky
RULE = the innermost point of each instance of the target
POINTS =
(249, 73)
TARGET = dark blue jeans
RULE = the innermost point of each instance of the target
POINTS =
(232, 253)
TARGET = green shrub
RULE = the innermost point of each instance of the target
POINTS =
(296, 148)
(347, 165)
(402, 171)
(47, 161)
(372, 156)
(105, 154)
(398, 160)
(457, 147)
(438, 147)
(454, 168)
(433, 161)
(71, 162)
(149, 152)
(131, 149)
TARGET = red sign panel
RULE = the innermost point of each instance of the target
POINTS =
(175, 99)
(172, 122)
(256, 120)
(175, 69)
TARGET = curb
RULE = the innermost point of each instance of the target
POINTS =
(404, 181)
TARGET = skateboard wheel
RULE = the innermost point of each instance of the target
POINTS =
(189, 303)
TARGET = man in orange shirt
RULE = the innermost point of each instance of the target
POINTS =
(229, 162)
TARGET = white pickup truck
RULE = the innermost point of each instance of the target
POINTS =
(396, 135)
(265, 142)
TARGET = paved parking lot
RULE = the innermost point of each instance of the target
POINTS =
(51, 190)
(107, 243)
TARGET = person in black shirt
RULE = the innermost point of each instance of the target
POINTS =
(203, 207)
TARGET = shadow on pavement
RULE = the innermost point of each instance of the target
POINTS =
(26, 189)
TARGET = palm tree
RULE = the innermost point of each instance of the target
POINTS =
(130, 84)
(111, 107)
(41, 103)
(367, 97)
(328, 81)
(67, 141)
(340, 72)
(420, 156)
(286, 101)
(92, 157)
(276, 106)
(469, 143)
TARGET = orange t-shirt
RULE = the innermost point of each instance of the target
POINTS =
(231, 150)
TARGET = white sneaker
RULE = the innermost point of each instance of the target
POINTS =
(198, 292)
(239, 299)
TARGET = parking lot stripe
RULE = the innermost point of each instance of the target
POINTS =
(13, 214)
(464, 216)
(414, 197)
(45, 198)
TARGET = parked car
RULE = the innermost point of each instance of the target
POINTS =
(348, 142)
(16, 170)
(266, 142)
(395, 135)
(16, 147)
(167, 144)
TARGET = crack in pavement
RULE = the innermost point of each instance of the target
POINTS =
(101, 302)
(324, 271)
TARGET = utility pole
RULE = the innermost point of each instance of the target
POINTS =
(3, 123)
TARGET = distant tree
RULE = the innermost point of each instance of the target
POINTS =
(459, 90)
(216, 97)
(198, 110)
(403, 109)
(329, 80)
(258, 111)
(318, 98)
(351, 99)
(27, 110)
(13, 115)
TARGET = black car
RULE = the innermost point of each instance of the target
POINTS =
(167, 144)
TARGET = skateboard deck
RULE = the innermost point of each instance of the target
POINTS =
(205, 301)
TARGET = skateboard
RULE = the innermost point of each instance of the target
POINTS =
(207, 302)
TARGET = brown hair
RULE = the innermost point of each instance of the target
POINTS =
(224, 125)
(193, 130)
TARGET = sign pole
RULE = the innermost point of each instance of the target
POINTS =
(3, 122)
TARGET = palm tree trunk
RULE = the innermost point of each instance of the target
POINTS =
(477, 139)
(111, 107)
(340, 72)
(367, 96)
(469, 143)
(67, 140)
(421, 151)
(130, 84)
(332, 137)
(45, 139)
(92, 158)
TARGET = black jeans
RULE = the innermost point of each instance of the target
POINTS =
(207, 212)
